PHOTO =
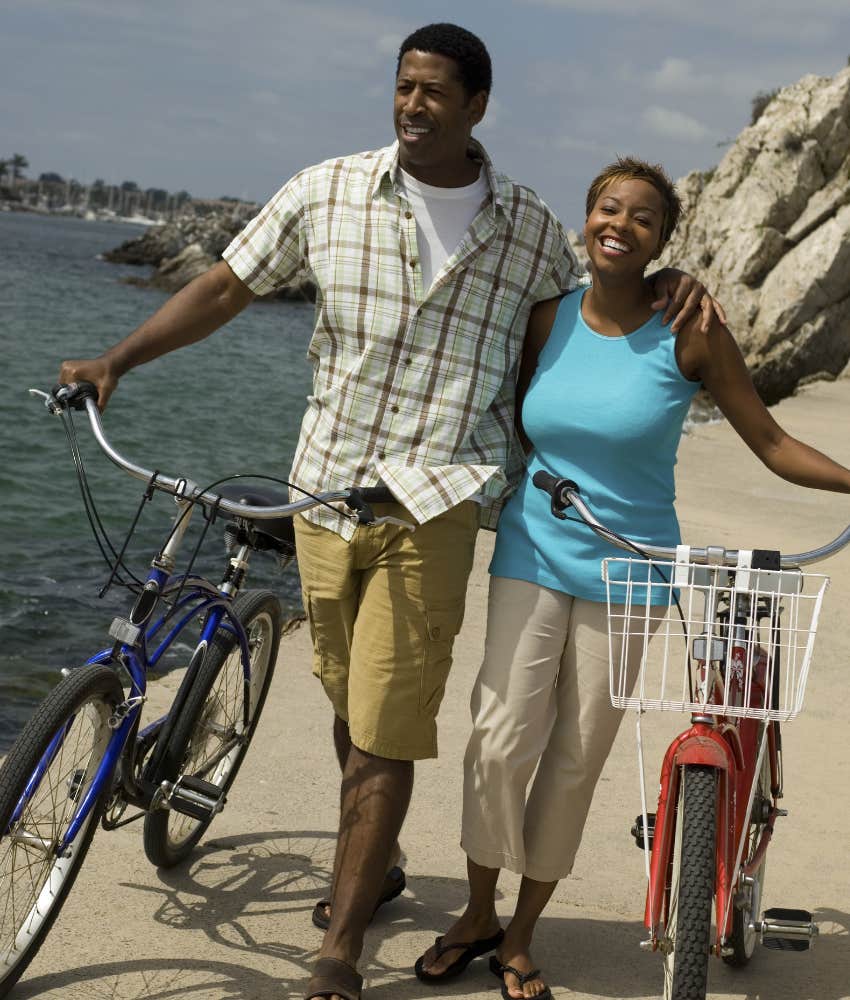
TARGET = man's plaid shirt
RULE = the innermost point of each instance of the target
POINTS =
(412, 387)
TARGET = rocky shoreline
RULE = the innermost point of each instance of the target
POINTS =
(182, 249)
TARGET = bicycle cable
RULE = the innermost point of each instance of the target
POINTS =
(101, 536)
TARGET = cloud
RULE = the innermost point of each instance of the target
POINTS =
(760, 19)
(674, 124)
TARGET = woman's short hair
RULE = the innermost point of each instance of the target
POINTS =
(627, 168)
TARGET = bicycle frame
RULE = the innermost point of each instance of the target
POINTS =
(198, 600)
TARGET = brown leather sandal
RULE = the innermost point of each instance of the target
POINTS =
(394, 885)
(333, 977)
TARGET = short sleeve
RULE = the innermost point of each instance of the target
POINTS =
(269, 253)
(563, 273)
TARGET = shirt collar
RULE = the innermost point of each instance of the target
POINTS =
(388, 168)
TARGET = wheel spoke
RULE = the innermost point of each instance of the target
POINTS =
(43, 791)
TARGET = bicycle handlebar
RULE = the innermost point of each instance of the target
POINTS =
(565, 493)
(83, 396)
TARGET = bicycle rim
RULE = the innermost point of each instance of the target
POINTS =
(66, 739)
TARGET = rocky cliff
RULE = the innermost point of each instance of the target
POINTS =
(768, 231)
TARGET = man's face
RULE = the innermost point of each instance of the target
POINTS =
(434, 117)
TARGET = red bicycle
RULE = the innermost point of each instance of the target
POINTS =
(727, 636)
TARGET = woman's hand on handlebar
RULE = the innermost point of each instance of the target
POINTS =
(95, 370)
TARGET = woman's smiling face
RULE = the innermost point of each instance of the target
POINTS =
(623, 231)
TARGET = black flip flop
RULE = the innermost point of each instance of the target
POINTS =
(499, 971)
(468, 951)
(394, 885)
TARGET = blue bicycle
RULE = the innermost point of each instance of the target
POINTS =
(84, 758)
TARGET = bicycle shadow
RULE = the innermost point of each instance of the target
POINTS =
(243, 891)
(254, 893)
(161, 979)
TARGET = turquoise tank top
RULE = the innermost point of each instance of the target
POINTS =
(608, 413)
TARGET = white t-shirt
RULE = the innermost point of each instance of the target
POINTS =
(442, 216)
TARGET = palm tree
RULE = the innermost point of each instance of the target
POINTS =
(19, 165)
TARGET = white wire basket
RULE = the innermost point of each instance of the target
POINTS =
(712, 639)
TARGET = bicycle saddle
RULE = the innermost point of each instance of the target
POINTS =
(277, 533)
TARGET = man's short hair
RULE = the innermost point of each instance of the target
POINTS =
(627, 168)
(467, 50)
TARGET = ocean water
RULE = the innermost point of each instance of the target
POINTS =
(231, 404)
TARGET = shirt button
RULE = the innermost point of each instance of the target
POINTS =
(408, 361)
(413, 263)
(393, 409)
(408, 215)
(382, 455)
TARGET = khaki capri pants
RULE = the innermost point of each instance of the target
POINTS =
(384, 610)
(540, 701)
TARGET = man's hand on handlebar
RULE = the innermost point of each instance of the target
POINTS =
(95, 370)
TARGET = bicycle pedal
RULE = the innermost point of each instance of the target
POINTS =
(200, 786)
(787, 929)
(638, 833)
(195, 797)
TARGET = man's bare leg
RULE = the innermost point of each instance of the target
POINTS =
(374, 800)
(342, 745)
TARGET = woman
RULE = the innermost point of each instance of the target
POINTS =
(603, 393)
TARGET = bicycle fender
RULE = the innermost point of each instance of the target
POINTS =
(709, 749)
(699, 746)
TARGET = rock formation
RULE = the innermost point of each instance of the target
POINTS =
(768, 231)
(186, 247)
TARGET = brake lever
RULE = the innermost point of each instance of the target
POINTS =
(391, 520)
(48, 400)
(364, 514)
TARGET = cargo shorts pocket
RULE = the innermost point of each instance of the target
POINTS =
(441, 627)
(330, 652)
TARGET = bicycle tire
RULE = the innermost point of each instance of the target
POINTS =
(34, 882)
(742, 939)
(688, 931)
(212, 719)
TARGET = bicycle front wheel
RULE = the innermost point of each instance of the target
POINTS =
(212, 733)
(688, 932)
(43, 780)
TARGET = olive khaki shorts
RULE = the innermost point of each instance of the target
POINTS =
(384, 609)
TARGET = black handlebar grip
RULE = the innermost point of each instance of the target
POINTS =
(75, 394)
(544, 481)
(376, 494)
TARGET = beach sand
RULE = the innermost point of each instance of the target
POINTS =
(234, 922)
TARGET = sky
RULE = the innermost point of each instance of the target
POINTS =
(232, 98)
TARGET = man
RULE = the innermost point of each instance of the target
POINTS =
(427, 263)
